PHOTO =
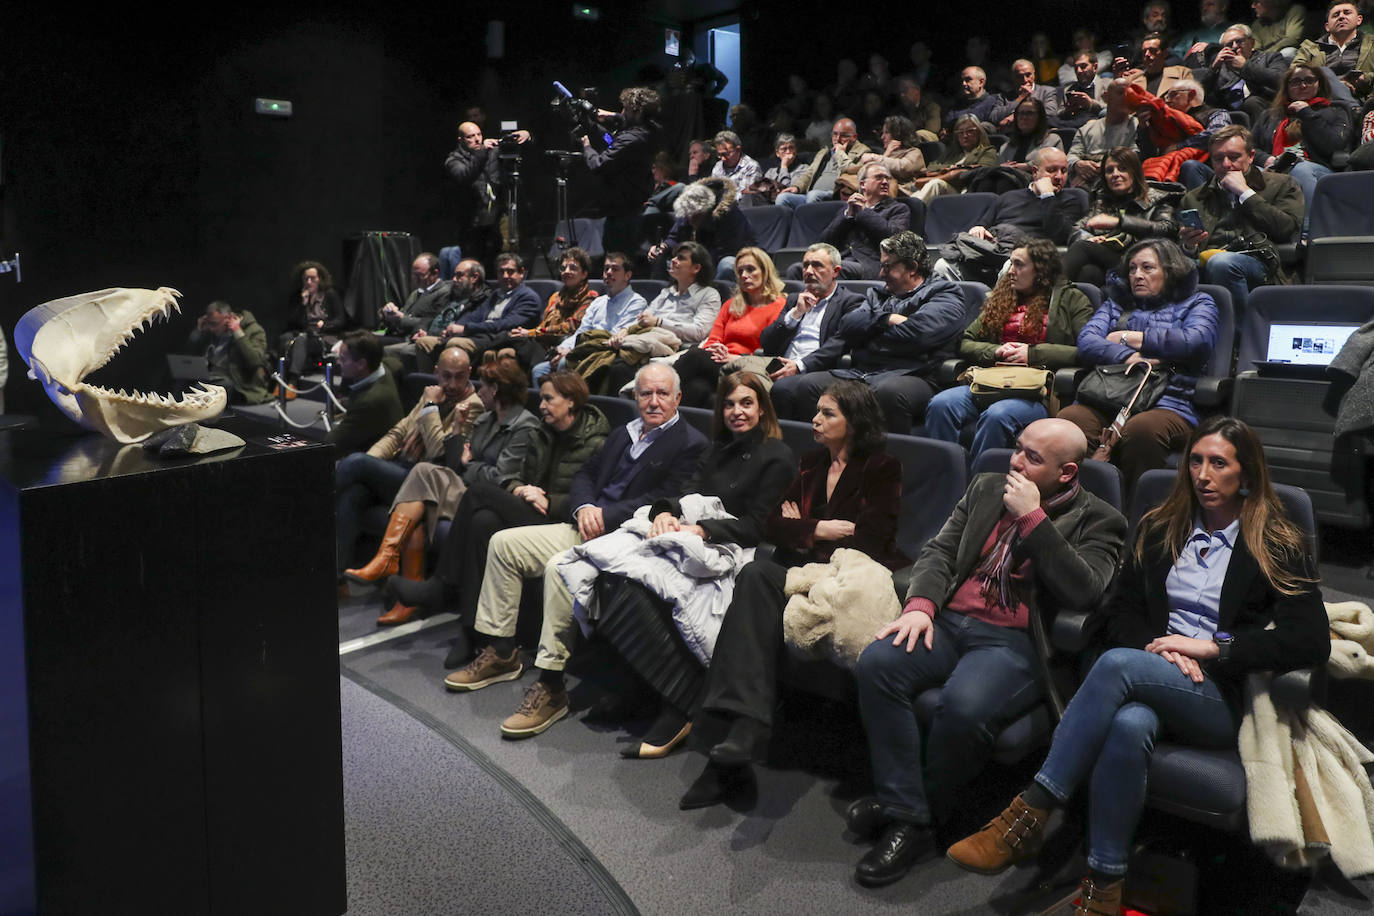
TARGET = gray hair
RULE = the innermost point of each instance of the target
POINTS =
(830, 250)
(1191, 85)
(728, 136)
(694, 200)
(677, 379)
(784, 138)
(869, 166)
(1241, 29)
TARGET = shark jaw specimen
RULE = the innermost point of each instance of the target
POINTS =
(65, 340)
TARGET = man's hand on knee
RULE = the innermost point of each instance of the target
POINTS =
(913, 625)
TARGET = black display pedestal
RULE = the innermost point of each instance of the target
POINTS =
(169, 686)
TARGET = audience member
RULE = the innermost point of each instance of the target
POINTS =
(315, 317)
(572, 431)
(870, 215)
(700, 161)
(647, 459)
(804, 343)
(757, 301)
(846, 495)
(1278, 24)
(1154, 74)
(427, 297)
(901, 154)
(841, 157)
(1083, 98)
(1084, 39)
(562, 316)
(1004, 116)
(967, 149)
(1041, 211)
(1124, 210)
(1211, 23)
(1114, 130)
(787, 172)
(747, 468)
(923, 113)
(1238, 77)
(1032, 317)
(612, 311)
(447, 409)
(708, 213)
(1245, 213)
(494, 452)
(974, 99)
(816, 133)
(468, 289)
(1344, 49)
(1153, 317)
(1183, 633)
(235, 348)
(511, 304)
(733, 163)
(1028, 542)
(1030, 134)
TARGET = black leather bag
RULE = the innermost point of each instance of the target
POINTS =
(1111, 388)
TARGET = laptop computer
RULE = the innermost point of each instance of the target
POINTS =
(186, 368)
(1303, 350)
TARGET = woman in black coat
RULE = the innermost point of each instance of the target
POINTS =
(1124, 210)
(748, 468)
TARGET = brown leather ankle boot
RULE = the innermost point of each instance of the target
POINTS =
(412, 566)
(1013, 836)
(1099, 900)
(387, 562)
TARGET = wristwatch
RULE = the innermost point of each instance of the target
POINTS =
(1224, 641)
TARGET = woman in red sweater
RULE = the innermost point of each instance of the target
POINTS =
(757, 301)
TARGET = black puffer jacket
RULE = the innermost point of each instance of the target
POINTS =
(1326, 131)
(555, 458)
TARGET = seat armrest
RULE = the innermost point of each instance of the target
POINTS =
(1073, 631)
(1066, 381)
(765, 550)
(901, 581)
(949, 370)
(1213, 391)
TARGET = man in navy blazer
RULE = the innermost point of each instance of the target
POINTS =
(805, 337)
(651, 457)
(511, 304)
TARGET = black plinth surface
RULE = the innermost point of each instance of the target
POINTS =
(169, 695)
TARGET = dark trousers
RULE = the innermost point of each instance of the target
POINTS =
(743, 677)
(903, 400)
(700, 375)
(1088, 262)
(484, 510)
(1146, 440)
(989, 677)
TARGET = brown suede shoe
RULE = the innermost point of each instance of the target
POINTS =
(1099, 901)
(1013, 836)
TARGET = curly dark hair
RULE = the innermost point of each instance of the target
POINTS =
(1002, 301)
(293, 295)
(867, 429)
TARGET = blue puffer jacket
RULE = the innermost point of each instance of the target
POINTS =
(1181, 334)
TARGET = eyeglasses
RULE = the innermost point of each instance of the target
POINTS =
(1302, 81)
(1234, 43)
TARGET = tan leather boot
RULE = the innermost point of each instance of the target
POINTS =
(1013, 836)
(387, 562)
(1104, 900)
(412, 566)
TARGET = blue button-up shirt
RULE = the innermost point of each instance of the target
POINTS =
(1194, 583)
(609, 313)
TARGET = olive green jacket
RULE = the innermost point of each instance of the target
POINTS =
(1070, 309)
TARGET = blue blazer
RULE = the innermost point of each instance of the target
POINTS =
(777, 337)
(660, 472)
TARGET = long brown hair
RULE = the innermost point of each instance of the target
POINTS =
(1269, 535)
(1001, 302)
(1293, 131)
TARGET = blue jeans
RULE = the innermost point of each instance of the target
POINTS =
(996, 427)
(1239, 273)
(1109, 728)
(989, 677)
(360, 481)
(725, 269)
(1193, 174)
(1307, 174)
(792, 200)
(539, 371)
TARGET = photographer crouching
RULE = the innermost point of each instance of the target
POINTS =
(624, 170)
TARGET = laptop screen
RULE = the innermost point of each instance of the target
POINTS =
(1307, 344)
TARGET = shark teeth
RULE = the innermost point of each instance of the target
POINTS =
(198, 397)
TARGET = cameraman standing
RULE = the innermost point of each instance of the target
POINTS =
(475, 166)
(625, 170)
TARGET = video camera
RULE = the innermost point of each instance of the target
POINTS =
(579, 111)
